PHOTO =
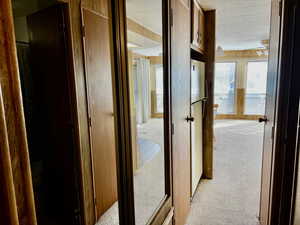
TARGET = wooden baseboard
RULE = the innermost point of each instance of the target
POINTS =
(237, 117)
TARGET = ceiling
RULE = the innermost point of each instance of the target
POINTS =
(241, 24)
(148, 14)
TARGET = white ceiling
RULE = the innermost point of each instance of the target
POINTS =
(146, 12)
(241, 24)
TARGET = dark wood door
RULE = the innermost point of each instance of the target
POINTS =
(270, 114)
(100, 103)
(180, 81)
(54, 143)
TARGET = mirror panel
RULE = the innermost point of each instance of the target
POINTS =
(145, 63)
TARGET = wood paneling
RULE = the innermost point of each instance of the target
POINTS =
(180, 81)
(13, 109)
(101, 111)
(210, 27)
(8, 206)
(82, 129)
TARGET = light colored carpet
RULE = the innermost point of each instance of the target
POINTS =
(148, 150)
(232, 197)
(149, 185)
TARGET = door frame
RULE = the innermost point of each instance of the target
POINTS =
(122, 106)
(285, 151)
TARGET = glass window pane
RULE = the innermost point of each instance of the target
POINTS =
(225, 87)
(256, 88)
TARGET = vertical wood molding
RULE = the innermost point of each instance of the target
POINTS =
(240, 101)
(8, 206)
(210, 27)
(87, 192)
(12, 98)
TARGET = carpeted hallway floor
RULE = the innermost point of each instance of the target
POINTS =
(232, 197)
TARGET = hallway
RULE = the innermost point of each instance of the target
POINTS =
(232, 197)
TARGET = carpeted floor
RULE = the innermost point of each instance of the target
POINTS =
(232, 197)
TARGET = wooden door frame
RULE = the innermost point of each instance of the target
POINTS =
(122, 106)
(14, 137)
(11, 70)
(285, 150)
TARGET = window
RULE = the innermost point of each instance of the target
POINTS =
(159, 83)
(225, 87)
(255, 97)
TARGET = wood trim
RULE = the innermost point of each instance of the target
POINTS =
(155, 60)
(237, 117)
(240, 101)
(210, 27)
(141, 30)
(122, 113)
(8, 200)
(287, 116)
(13, 108)
(243, 54)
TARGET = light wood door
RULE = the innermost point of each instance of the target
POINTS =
(180, 50)
(270, 115)
(100, 103)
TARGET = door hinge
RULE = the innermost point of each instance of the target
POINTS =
(83, 30)
(90, 121)
(172, 128)
(171, 17)
(273, 133)
(280, 8)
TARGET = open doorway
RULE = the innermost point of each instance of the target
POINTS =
(41, 29)
(240, 87)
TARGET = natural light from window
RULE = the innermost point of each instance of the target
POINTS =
(225, 87)
(255, 97)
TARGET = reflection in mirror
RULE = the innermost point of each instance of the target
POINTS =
(144, 35)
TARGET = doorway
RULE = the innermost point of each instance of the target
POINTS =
(43, 55)
(233, 196)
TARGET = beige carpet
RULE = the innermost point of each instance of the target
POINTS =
(232, 197)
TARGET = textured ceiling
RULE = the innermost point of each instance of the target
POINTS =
(241, 24)
(146, 12)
